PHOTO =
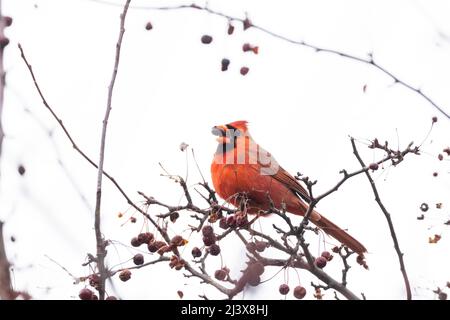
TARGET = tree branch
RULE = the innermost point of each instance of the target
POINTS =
(6, 291)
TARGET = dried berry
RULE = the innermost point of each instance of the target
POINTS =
(440, 157)
(260, 246)
(111, 298)
(180, 294)
(220, 274)
(207, 231)
(138, 259)
(21, 170)
(299, 292)
(320, 262)
(373, 166)
(434, 119)
(8, 20)
(442, 295)
(206, 39)
(247, 23)
(174, 216)
(146, 237)
(241, 221)
(135, 242)
(224, 64)
(327, 255)
(230, 29)
(196, 252)
(164, 249)
(231, 221)
(214, 250)
(244, 70)
(86, 294)
(248, 47)
(155, 246)
(424, 207)
(447, 151)
(223, 223)
(256, 268)
(94, 280)
(251, 246)
(435, 174)
(148, 26)
(133, 220)
(254, 280)
(284, 289)
(4, 42)
(335, 249)
(177, 241)
(210, 240)
(125, 275)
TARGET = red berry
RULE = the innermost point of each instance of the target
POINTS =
(148, 26)
(174, 216)
(214, 250)
(327, 255)
(284, 289)
(299, 292)
(373, 166)
(434, 119)
(209, 240)
(206, 39)
(320, 262)
(86, 294)
(135, 242)
(125, 275)
(94, 280)
(207, 231)
(196, 252)
(138, 259)
(111, 298)
(244, 70)
(220, 274)
(225, 63)
(155, 246)
(260, 246)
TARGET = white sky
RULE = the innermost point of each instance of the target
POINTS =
(170, 89)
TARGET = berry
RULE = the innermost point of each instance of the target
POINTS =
(225, 63)
(135, 242)
(327, 255)
(206, 39)
(94, 280)
(434, 119)
(21, 170)
(8, 20)
(209, 240)
(111, 298)
(177, 241)
(155, 246)
(254, 280)
(196, 252)
(230, 29)
(440, 157)
(299, 292)
(125, 275)
(241, 221)
(214, 250)
(133, 220)
(231, 221)
(146, 237)
(320, 262)
(260, 246)
(424, 207)
(442, 296)
(4, 42)
(223, 223)
(251, 246)
(220, 274)
(244, 70)
(94, 297)
(256, 268)
(85, 294)
(284, 289)
(435, 174)
(148, 26)
(207, 231)
(373, 166)
(174, 216)
(138, 259)
(247, 24)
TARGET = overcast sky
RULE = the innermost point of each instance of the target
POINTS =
(301, 105)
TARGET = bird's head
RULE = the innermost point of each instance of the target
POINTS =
(227, 133)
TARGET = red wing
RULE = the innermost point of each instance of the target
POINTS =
(290, 182)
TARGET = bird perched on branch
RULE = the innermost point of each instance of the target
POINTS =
(241, 166)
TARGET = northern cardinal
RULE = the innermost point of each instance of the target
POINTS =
(241, 166)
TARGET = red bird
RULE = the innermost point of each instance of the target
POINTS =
(240, 166)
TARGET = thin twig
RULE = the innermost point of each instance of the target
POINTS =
(6, 291)
(388, 219)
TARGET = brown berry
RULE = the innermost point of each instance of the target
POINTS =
(8, 20)
(434, 119)
(256, 268)
(251, 246)
(155, 246)
(435, 174)
(440, 157)
(125, 275)
(244, 70)
(94, 280)
(209, 240)
(133, 220)
(320, 262)
(254, 280)
(111, 298)
(327, 255)
(94, 297)
(4, 41)
(135, 242)
(230, 29)
(21, 170)
(373, 166)
(442, 295)
(247, 23)
(260, 246)
(231, 221)
(241, 221)
(224, 64)
(284, 289)
(206, 39)
(85, 294)
(299, 292)
(196, 252)
(207, 231)
(223, 223)
(146, 237)
(177, 241)
(174, 216)
(214, 250)
(220, 274)
(138, 259)
(148, 26)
